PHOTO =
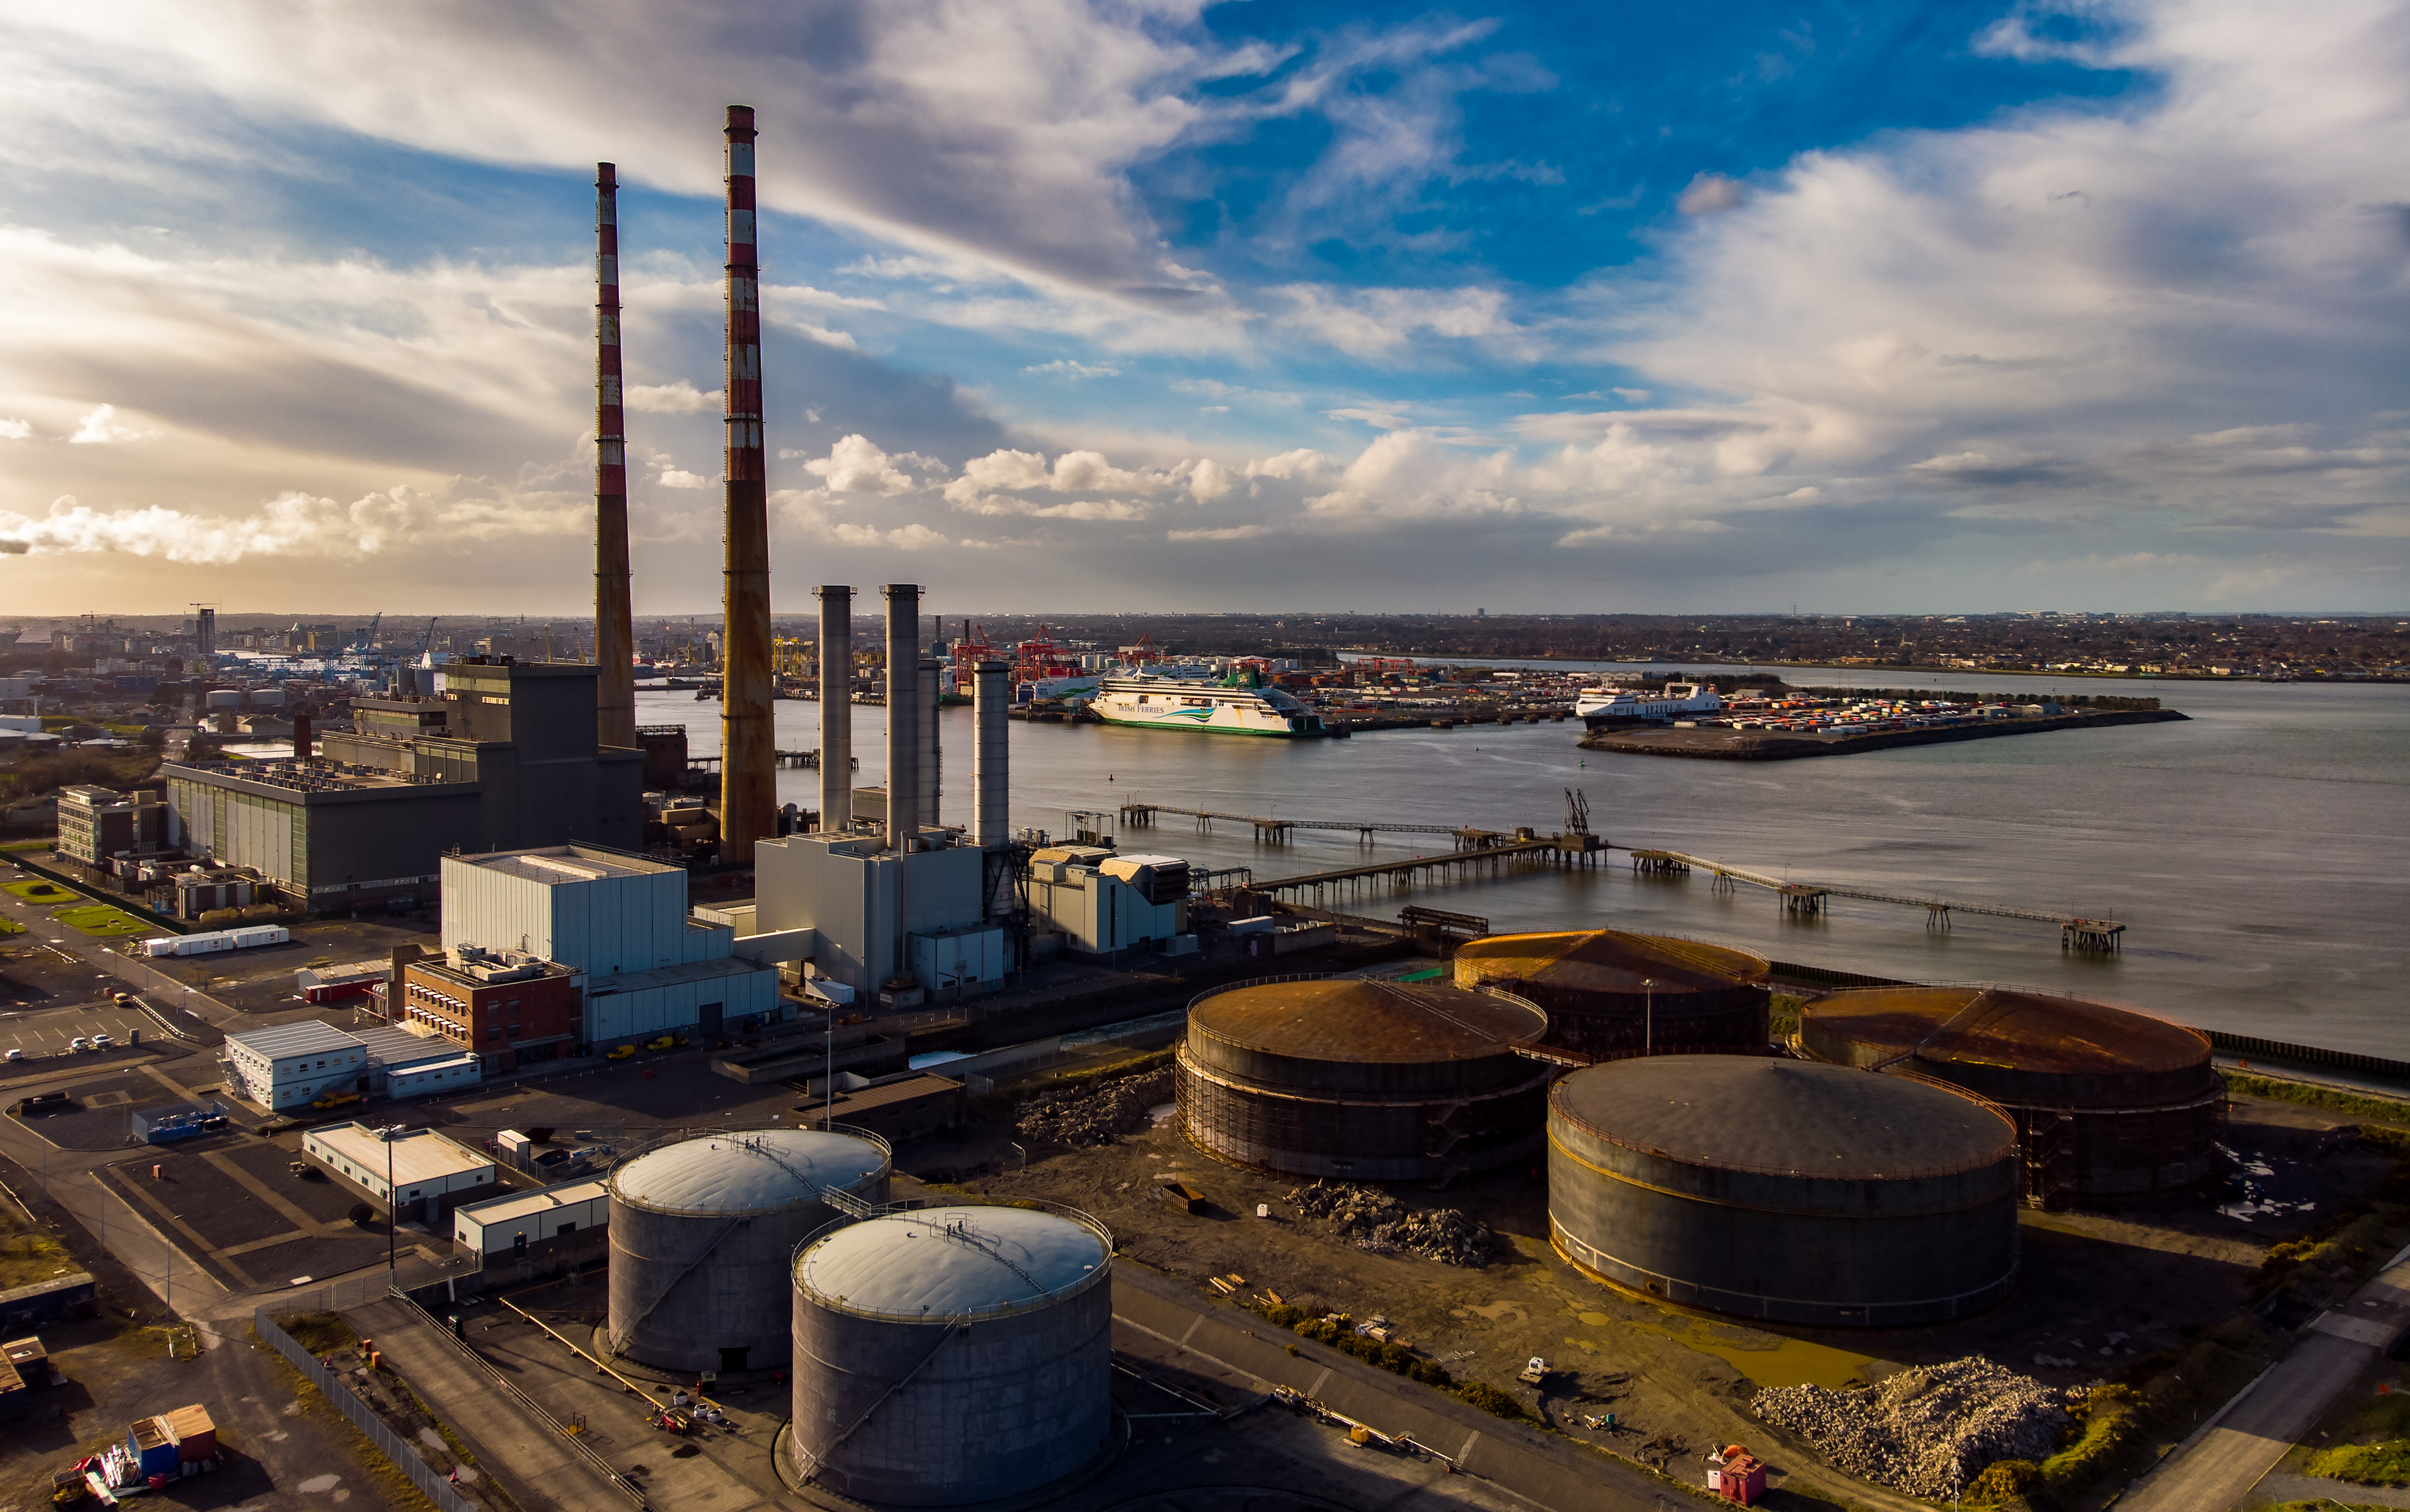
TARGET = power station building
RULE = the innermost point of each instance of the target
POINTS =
(618, 919)
(507, 756)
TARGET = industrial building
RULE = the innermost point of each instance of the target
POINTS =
(495, 1226)
(97, 824)
(908, 907)
(407, 1065)
(509, 1008)
(1608, 994)
(413, 1173)
(1784, 1191)
(293, 1065)
(1096, 903)
(617, 920)
(1361, 1080)
(507, 756)
(983, 1337)
(703, 1231)
(2110, 1104)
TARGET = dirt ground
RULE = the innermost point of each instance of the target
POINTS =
(2097, 1288)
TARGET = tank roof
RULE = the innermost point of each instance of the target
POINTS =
(2028, 1031)
(1763, 1114)
(953, 1262)
(1610, 960)
(1354, 1019)
(752, 1171)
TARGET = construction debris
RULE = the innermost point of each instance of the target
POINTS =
(1373, 1220)
(1094, 1114)
(1926, 1431)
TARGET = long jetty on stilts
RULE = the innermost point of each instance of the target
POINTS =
(2074, 932)
(1479, 853)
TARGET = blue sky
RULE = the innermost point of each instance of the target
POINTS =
(1950, 307)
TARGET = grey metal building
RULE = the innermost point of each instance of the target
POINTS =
(952, 1355)
(703, 1232)
(507, 757)
(1784, 1190)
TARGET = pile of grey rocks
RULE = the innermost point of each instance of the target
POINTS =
(1926, 1431)
(1094, 1115)
(1372, 1219)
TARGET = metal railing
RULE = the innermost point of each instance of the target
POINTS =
(403, 1454)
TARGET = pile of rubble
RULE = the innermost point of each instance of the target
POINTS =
(1373, 1220)
(1926, 1431)
(1094, 1114)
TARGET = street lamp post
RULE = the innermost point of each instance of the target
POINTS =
(1648, 1023)
(389, 1207)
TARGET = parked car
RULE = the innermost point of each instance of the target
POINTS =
(336, 1099)
(122, 999)
(666, 1041)
(103, 1042)
(79, 1045)
(622, 1052)
(16, 1055)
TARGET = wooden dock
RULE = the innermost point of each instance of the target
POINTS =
(1805, 898)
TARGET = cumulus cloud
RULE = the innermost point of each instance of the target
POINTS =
(855, 465)
(1369, 323)
(290, 525)
(1709, 192)
(102, 428)
(673, 477)
(679, 398)
(1225, 532)
(16, 430)
(914, 537)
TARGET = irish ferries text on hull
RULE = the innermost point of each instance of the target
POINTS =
(1241, 706)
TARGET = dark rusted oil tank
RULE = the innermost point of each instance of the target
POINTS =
(1706, 1001)
(1784, 1190)
(2111, 1104)
(1361, 1080)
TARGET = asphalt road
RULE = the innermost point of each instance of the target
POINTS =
(2217, 1467)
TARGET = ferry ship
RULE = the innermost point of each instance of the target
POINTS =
(1601, 706)
(1243, 705)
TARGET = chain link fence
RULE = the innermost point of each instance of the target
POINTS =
(404, 1455)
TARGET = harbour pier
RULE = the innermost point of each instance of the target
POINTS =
(1500, 854)
(2075, 933)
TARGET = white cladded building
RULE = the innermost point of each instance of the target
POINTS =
(621, 920)
(412, 1171)
(494, 1226)
(293, 1065)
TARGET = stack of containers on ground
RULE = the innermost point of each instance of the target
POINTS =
(2111, 1105)
(1361, 1080)
(702, 1232)
(1784, 1190)
(1609, 994)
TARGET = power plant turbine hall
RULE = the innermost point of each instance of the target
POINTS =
(748, 790)
(615, 632)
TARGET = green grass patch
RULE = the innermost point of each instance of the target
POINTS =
(2357, 1104)
(28, 1255)
(102, 922)
(10, 926)
(38, 891)
(1490, 1399)
(26, 845)
(2375, 1444)
(321, 1333)
(2113, 1426)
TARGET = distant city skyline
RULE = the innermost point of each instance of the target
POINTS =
(1952, 309)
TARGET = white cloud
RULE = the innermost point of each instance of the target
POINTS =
(101, 427)
(678, 478)
(291, 525)
(1407, 474)
(1064, 366)
(1227, 532)
(1709, 192)
(16, 430)
(914, 537)
(1210, 480)
(679, 398)
(1371, 323)
(854, 465)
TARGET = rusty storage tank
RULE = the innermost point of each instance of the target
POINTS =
(1362, 1080)
(2110, 1104)
(1784, 1190)
(1595, 987)
(952, 1355)
(702, 1232)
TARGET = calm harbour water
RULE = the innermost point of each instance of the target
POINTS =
(2258, 852)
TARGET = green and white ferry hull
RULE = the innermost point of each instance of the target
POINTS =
(1220, 708)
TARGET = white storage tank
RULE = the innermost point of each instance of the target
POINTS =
(952, 1355)
(703, 1231)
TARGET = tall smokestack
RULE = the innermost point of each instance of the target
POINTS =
(930, 766)
(748, 776)
(991, 759)
(837, 706)
(903, 710)
(615, 630)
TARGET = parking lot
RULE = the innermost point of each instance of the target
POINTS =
(49, 1032)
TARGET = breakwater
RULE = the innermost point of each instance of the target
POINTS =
(1728, 745)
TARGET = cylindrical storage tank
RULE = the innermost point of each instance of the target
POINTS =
(2110, 1104)
(1361, 1080)
(1784, 1190)
(1608, 994)
(952, 1355)
(702, 1233)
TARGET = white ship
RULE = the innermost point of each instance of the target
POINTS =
(1242, 706)
(1600, 706)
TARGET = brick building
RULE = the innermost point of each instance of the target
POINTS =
(512, 1010)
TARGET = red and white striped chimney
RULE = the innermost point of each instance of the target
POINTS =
(748, 776)
(615, 632)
